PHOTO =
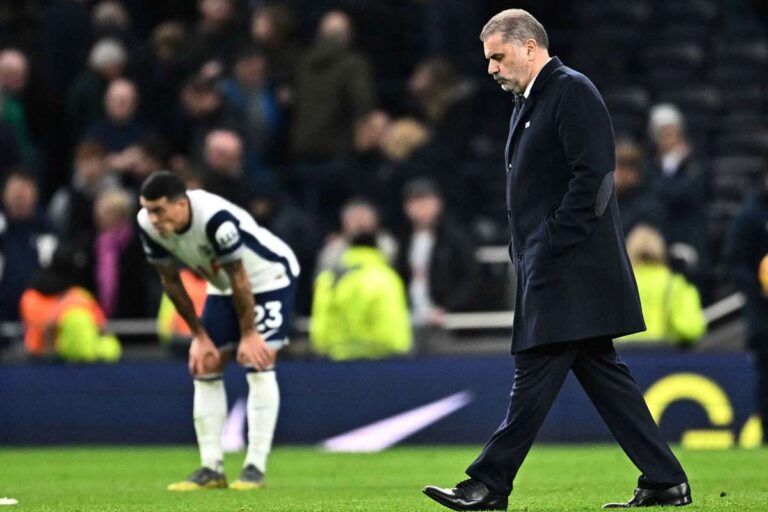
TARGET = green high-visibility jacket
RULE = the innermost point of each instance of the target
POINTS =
(671, 306)
(359, 309)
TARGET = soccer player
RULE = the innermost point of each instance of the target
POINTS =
(251, 278)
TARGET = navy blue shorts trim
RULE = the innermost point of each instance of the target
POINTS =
(272, 317)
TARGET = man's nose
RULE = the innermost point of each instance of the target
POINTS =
(493, 68)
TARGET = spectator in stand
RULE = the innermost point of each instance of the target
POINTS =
(14, 74)
(118, 130)
(14, 71)
(746, 250)
(62, 319)
(671, 305)
(443, 100)
(70, 210)
(107, 61)
(358, 216)
(272, 28)
(148, 156)
(110, 19)
(679, 183)
(25, 241)
(359, 310)
(202, 109)
(249, 91)
(636, 203)
(217, 36)
(42, 110)
(118, 259)
(436, 259)
(334, 90)
(161, 70)
(224, 175)
(410, 151)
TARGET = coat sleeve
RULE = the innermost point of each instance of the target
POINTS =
(586, 136)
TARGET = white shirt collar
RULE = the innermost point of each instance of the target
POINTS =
(530, 84)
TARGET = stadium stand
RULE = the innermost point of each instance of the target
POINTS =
(709, 58)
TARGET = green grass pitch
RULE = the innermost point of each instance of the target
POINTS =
(554, 478)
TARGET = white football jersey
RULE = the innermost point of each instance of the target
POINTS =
(221, 232)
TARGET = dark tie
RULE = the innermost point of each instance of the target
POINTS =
(519, 102)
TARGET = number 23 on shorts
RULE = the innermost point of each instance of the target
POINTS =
(268, 316)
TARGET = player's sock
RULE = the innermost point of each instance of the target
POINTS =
(210, 413)
(263, 404)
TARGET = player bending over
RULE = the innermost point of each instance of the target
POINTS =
(251, 278)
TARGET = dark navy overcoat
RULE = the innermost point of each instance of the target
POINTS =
(574, 277)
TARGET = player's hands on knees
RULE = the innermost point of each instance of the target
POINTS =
(255, 352)
(204, 358)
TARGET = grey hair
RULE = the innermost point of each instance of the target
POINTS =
(518, 25)
(107, 52)
(665, 114)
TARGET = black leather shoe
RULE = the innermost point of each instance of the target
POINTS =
(676, 496)
(467, 495)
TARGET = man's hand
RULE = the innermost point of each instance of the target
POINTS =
(203, 356)
(255, 352)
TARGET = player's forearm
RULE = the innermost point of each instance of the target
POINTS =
(242, 296)
(175, 290)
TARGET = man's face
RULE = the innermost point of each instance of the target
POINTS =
(507, 63)
(120, 102)
(89, 170)
(167, 216)
(224, 154)
(423, 211)
(359, 219)
(668, 137)
(250, 71)
(625, 178)
(19, 198)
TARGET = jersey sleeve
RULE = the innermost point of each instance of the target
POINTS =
(154, 252)
(223, 232)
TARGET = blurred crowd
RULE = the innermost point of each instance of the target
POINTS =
(362, 133)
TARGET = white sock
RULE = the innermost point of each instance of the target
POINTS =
(210, 413)
(263, 404)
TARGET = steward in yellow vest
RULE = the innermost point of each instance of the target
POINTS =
(359, 309)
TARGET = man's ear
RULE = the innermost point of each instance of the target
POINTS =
(530, 47)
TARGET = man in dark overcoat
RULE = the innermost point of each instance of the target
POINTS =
(576, 290)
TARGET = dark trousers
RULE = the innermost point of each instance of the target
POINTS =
(539, 375)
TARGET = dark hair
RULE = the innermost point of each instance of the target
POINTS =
(21, 173)
(359, 202)
(163, 184)
(249, 51)
(421, 187)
